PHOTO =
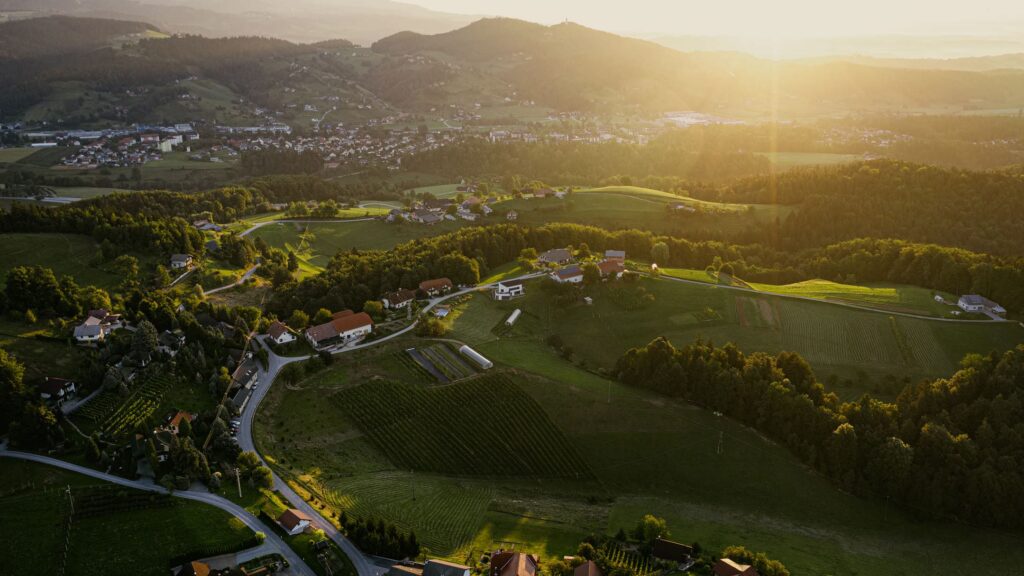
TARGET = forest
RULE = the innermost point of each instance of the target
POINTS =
(951, 448)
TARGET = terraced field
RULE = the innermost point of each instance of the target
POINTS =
(485, 426)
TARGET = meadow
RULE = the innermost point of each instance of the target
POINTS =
(33, 504)
(860, 346)
(715, 481)
(66, 254)
(15, 154)
(41, 351)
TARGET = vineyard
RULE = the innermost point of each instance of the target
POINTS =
(486, 426)
(115, 416)
(630, 561)
(444, 517)
(441, 361)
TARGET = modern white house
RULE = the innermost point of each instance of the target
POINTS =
(508, 290)
(280, 333)
(976, 303)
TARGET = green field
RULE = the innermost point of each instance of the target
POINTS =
(34, 502)
(883, 296)
(836, 340)
(41, 351)
(15, 154)
(66, 254)
(648, 453)
(784, 160)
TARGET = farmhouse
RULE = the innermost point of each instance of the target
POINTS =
(398, 299)
(611, 268)
(96, 326)
(180, 261)
(570, 274)
(175, 421)
(508, 290)
(476, 357)
(671, 551)
(505, 563)
(425, 217)
(976, 303)
(280, 333)
(294, 521)
(56, 391)
(615, 255)
(346, 326)
(442, 568)
(555, 257)
(194, 569)
(588, 568)
(436, 286)
(727, 567)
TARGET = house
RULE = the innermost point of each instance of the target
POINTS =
(403, 570)
(425, 217)
(556, 257)
(727, 567)
(294, 521)
(611, 268)
(169, 342)
(543, 193)
(206, 225)
(672, 551)
(511, 215)
(176, 420)
(570, 274)
(395, 215)
(588, 568)
(436, 287)
(615, 255)
(346, 326)
(976, 303)
(506, 563)
(193, 569)
(442, 568)
(466, 215)
(96, 326)
(437, 203)
(181, 261)
(398, 299)
(57, 391)
(508, 290)
(280, 333)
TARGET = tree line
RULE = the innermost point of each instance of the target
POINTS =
(950, 448)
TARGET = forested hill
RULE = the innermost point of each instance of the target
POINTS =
(37, 37)
(572, 67)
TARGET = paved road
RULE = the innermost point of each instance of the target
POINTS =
(298, 566)
(259, 225)
(245, 278)
(831, 302)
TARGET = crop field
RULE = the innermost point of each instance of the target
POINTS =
(317, 243)
(15, 154)
(891, 297)
(849, 343)
(104, 539)
(444, 363)
(66, 254)
(481, 427)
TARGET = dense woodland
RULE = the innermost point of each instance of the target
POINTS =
(948, 448)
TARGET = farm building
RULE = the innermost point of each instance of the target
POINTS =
(476, 357)
(436, 287)
(611, 268)
(615, 255)
(976, 303)
(346, 326)
(513, 317)
(280, 333)
(507, 563)
(508, 290)
(671, 551)
(398, 299)
(402, 570)
(442, 568)
(294, 521)
(570, 274)
(727, 567)
(555, 257)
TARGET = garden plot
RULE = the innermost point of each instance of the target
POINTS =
(445, 364)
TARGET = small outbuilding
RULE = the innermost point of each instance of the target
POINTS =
(476, 357)
(513, 317)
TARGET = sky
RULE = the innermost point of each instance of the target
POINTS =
(761, 18)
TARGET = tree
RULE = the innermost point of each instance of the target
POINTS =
(650, 528)
(374, 308)
(128, 267)
(591, 274)
(322, 315)
(293, 262)
(144, 340)
(185, 428)
(660, 253)
(12, 389)
(298, 320)
(161, 277)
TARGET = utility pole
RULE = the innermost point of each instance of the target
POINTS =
(721, 435)
(238, 481)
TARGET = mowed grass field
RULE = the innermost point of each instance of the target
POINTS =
(844, 342)
(33, 503)
(649, 454)
(66, 254)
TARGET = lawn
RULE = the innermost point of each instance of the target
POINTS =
(33, 504)
(649, 454)
(848, 343)
(36, 347)
(66, 254)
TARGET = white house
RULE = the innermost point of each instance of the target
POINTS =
(180, 261)
(96, 326)
(346, 326)
(294, 521)
(508, 290)
(280, 333)
(398, 299)
(570, 274)
(976, 303)
(56, 391)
